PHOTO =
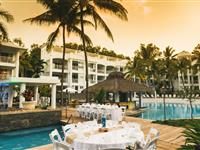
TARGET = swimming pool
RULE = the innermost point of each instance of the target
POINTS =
(23, 139)
(154, 111)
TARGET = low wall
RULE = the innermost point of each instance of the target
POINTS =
(29, 119)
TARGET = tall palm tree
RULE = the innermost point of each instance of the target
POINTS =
(182, 65)
(6, 16)
(148, 54)
(135, 69)
(170, 68)
(64, 14)
(90, 7)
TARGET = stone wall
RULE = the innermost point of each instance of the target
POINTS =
(20, 120)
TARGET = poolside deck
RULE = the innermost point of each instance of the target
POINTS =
(170, 137)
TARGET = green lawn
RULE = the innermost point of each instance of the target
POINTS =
(179, 123)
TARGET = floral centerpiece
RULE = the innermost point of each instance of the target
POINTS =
(28, 95)
(29, 104)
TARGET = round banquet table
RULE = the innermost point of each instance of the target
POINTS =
(117, 137)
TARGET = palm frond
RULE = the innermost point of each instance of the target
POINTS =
(112, 7)
(3, 31)
(46, 18)
(52, 38)
(46, 3)
(98, 20)
(77, 31)
(6, 15)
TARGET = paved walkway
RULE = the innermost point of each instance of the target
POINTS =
(170, 137)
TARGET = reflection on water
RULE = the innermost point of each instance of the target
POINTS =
(154, 111)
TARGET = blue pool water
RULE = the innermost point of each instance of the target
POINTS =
(23, 139)
(154, 111)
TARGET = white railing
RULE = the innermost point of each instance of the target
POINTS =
(57, 66)
(101, 71)
(7, 59)
(74, 80)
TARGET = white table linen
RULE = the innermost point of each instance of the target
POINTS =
(121, 137)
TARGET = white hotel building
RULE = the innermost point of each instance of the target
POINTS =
(74, 74)
(9, 60)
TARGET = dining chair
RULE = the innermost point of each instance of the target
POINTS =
(55, 136)
(61, 146)
(67, 129)
(123, 108)
(56, 140)
(151, 139)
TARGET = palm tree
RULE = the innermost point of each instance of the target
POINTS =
(170, 68)
(135, 69)
(148, 54)
(90, 7)
(182, 65)
(6, 16)
(64, 14)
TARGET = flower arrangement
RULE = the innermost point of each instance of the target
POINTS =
(28, 95)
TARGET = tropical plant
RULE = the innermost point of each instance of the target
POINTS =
(135, 69)
(6, 16)
(192, 134)
(18, 41)
(64, 14)
(31, 64)
(90, 7)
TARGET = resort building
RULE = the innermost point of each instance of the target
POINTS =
(9, 60)
(9, 76)
(190, 79)
(74, 72)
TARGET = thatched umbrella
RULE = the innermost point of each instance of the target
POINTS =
(116, 82)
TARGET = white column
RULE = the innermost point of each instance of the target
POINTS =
(53, 96)
(51, 64)
(36, 94)
(21, 97)
(117, 97)
(131, 94)
(17, 65)
(10, 97)
(70, 73)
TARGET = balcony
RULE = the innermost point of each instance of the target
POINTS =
(92, 81)
(59, 66)
(74, 67)
(6, 59)
(92, 69)
(74, 80)
(101, 71)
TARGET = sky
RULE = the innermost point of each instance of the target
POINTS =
(163, 22)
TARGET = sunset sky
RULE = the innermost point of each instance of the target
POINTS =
(162, 22)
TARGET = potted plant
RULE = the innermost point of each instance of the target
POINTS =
(29, 104)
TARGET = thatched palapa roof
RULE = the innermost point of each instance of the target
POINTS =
(116, 82)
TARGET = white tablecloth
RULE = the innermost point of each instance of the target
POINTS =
(119, 138)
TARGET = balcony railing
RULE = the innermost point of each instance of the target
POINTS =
(7, 59)
(75, 67)
(101, 71)
(92, 69)
(74, 80)
(56, 66)
(92, 81)
(109, 71)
